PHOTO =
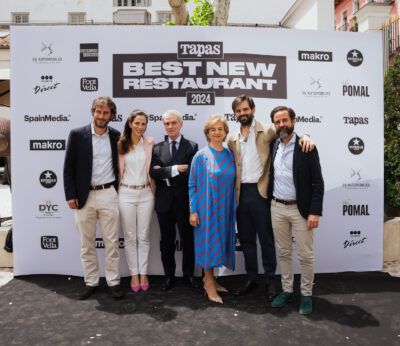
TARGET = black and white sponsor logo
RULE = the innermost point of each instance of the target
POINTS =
(306, 55)
(100, 243)
(46, 118)
(47, 144)
(354, 57)
(48, 210)
(117, 118)
(356, 146)
(356, 120)
(49, 242)
(315, 88)
(356, 181)
(355, 209)
(199, 68)
(355, 90)
(46, 83)
(48, 179)
(47, 54)
(89, 84)
(309, 119)
(231, 117)
(360, 239)
(186, 117)
(89, 52)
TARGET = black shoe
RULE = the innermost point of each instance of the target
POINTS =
(248, 286)
(86, 292)
(193, 282)
(117, 292)
(270, 291)
(167, 284)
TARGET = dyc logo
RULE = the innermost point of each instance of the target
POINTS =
(47, 144)
(48, 210)
(89, 84)
(305, 55)
(48, 179)
(49, 242)
(354, 57)
(356, 146)
(89, 52)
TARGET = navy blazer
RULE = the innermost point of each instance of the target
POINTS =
(179, 185)
(79, 161)
(307, 177)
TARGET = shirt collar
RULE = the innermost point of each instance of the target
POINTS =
(178, 140)
(252, 129)
(94, 132)
(291, 142)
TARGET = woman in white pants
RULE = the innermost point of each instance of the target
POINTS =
(136, 196)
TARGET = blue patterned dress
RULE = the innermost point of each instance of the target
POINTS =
(212, 196)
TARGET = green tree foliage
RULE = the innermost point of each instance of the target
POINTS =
(392, 132)
(203, 14)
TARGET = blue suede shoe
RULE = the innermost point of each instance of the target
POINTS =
(282, 300)
(305, 305)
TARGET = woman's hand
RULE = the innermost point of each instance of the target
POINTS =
(194, 219)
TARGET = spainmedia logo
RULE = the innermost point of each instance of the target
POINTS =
(47, 118)
(47, 144)
(186, 117)
(49, 242)
(48, 179)
(354, 57)
(306, 55)
(89, 84)
(309, 119)
(48, 210)
(356, 146)
(47, 55)
(89, 52)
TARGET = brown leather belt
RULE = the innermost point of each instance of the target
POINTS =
(102, 186)
(283, 201)
(136, 187)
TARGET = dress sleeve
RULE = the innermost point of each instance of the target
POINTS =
(193, 183)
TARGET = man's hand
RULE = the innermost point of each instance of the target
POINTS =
(194, 219)
(157, 167)
(306, 143)
(73, 203)
(312, 221)
(182, 168)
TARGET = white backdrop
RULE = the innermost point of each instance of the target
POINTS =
(333, 80)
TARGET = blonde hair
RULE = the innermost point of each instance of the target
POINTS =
(212, 120)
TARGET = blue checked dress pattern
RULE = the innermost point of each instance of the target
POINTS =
(212, 197)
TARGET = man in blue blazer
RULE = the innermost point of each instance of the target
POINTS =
(296, 190)
(90, 185)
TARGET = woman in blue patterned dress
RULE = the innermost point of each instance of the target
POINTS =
(212, 205)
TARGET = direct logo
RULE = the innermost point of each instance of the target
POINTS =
(49, 242)
(356, 238)
(186, 117)
(355, 90)
(355, 58)
(89, 52)
(100, 243)
(356, 120)
(46, 83)
(47, 144)
(47, 118)
(306, 55)
(89, 84)
(356, 181)
(309, 119)
(48, 179)
(316, 89)
(48, 210)
(47, 55)
(356, 146)
(355, 209)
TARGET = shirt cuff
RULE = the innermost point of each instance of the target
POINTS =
(174, 171)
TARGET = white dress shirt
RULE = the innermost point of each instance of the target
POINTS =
(102, 170)
(135, 165)
(251, 164)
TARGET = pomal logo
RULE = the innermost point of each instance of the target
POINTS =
(306, 55)
(355, 209)
(48, 179)
(89, 84)
(47, 54)
(356, 146)
(49, 242)
(46, 83)
(47, 144)
(359, 239)
(89, 52)
(48, 210)
(355, 58)
(355, 90)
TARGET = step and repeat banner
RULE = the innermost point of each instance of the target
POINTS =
(332, 80)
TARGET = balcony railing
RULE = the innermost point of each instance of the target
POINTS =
(391, 41)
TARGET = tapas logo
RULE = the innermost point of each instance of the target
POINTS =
(354, 242)
(48, 179)
(89, 52)
(200, 50)
(47, 118)
(356, 181)
(355, 58)
(306, 55)
(355, 90)
(356, 120)
(46, 83)
(309, 119)
(48, 210)
(117, 118)
(355, 209)
(231, 117)
(316, 89)
(47, 144)
(49, 242)
(89, 84)
(100, 243)
(186, 117)
(356, 146)
(47, 55)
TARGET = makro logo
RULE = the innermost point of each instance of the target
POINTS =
(89, 84)
(49, 242)
(315, 88)
(47, 55)
(186, 117)
(356, 146)
(89, 52)
(355, 90)
(48, 179)
(354, 57)
(199, 50)
(47, 144)
(46, 83)
(356, 181)
(355, 209)
(100, 243)
(309, 119)
(48, 210)
(356, 120)
(47, 118)
(305, 55)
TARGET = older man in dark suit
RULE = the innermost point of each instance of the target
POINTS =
(170, 168)
(90, 184)
(296, 189)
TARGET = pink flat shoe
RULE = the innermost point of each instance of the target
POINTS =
(145, 287)
(135, 288)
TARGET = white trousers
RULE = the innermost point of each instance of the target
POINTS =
(136, 209)
(285, 217)
(101, 205)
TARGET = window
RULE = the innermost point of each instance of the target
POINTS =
(76, 18)
(356, 6)
(343, 21)
(164, 17)
(20, 18)
(126, 3)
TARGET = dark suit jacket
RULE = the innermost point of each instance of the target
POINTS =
(79, 161)
(307, 177)
(179, 185)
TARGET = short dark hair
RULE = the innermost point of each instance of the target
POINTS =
(291, 112)
(240, 99)
(104, 100)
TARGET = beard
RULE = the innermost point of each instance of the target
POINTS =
(246, 119)
(284, 131)
(99, 125)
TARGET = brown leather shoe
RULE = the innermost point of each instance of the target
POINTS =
(86, 292)
(117, 292)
